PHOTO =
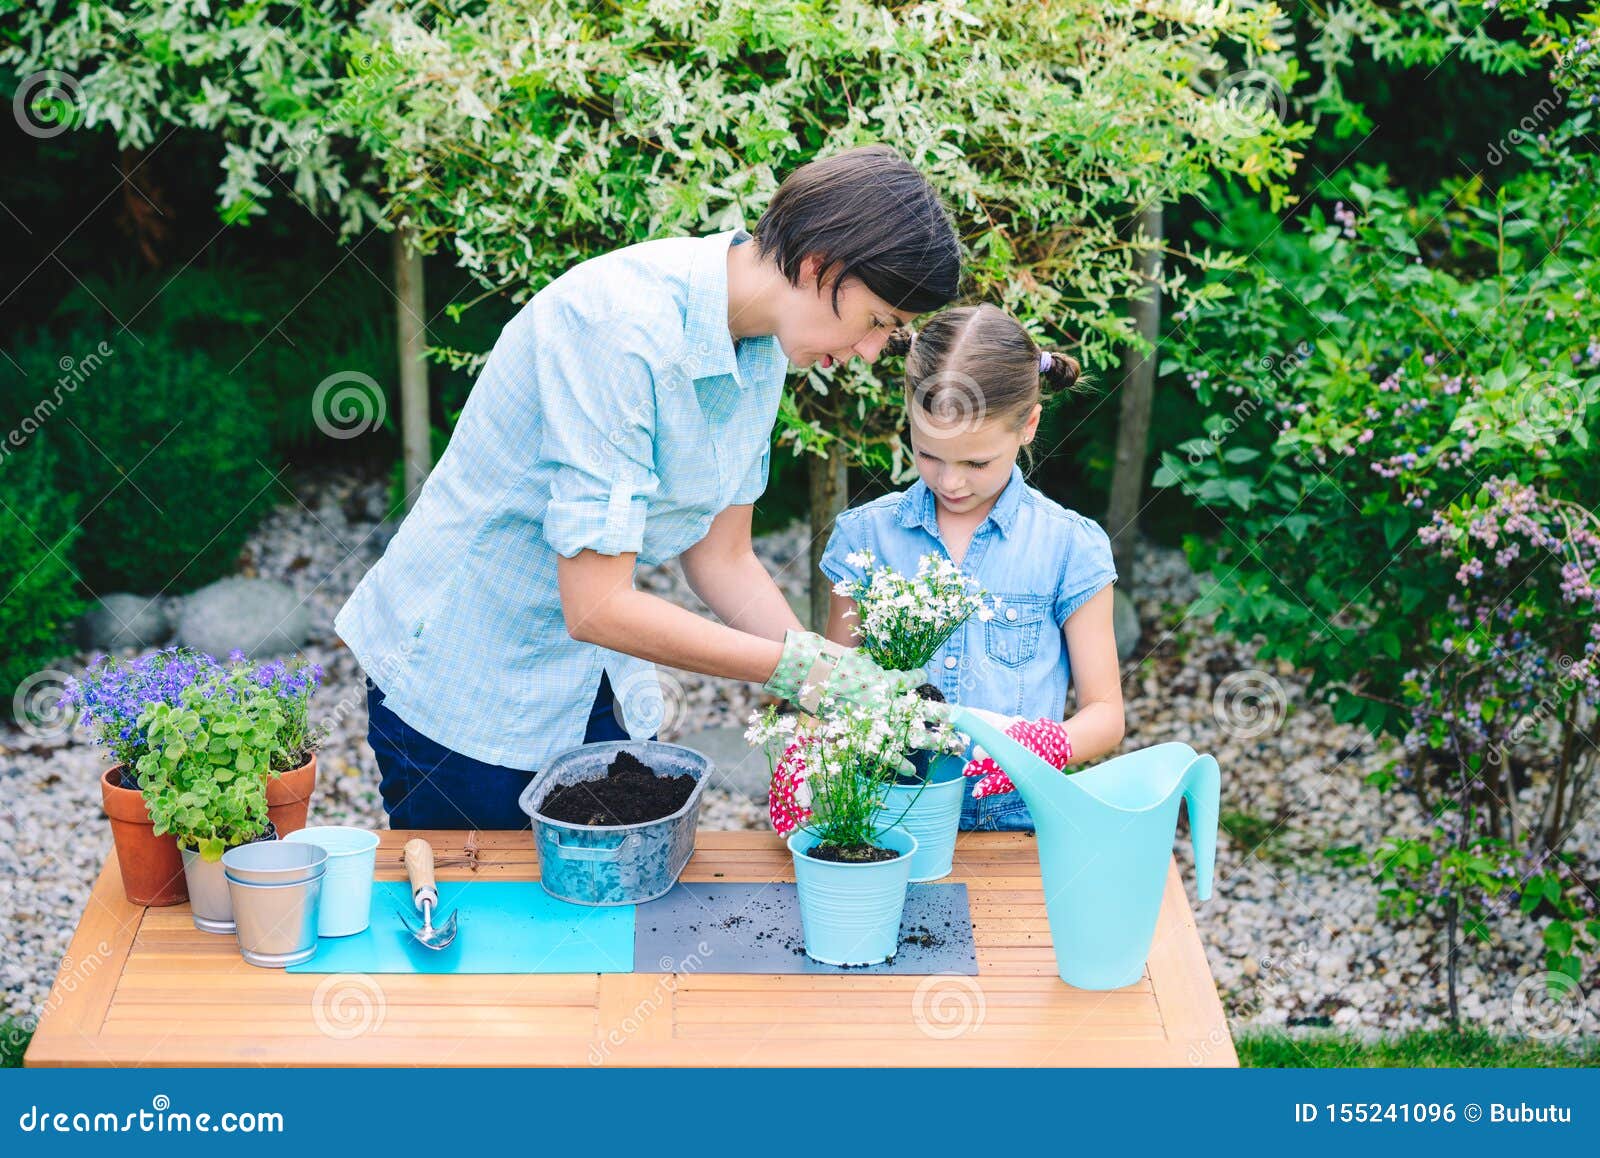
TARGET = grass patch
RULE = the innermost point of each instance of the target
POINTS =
(14, 1039)
(1422, 1049)
(1257, 836)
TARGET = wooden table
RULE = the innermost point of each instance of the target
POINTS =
(143, 987)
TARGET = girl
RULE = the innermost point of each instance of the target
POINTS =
(624, 414)
(974, 382)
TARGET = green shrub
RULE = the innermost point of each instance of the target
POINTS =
(38, 591)
(1398, 453)
(168, 452)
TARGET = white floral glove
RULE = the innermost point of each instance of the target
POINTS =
(812, 667)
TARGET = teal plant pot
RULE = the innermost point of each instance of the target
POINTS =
(346, 907)
(850, 913)
(930, 812)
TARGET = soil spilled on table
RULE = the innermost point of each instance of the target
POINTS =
(629, 793)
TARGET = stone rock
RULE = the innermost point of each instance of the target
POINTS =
(1124, 623)
(260, 617)
(736, 766)
(117, 621)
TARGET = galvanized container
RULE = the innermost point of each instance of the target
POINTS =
(623, 864)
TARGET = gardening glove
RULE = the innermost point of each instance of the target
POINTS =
(1046, 739)
(812, 667)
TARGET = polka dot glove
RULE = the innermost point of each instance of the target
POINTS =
(812, 667)
(1046, 739)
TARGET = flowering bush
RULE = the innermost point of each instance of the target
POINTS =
(1403, 402)
(901, 621)
(830, 779)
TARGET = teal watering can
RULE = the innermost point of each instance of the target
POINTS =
(1105, 839)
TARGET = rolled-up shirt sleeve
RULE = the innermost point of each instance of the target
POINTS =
(755, 480)
(597, 385)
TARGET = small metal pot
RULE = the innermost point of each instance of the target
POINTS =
(276, 924)
(209, 902)
(208, 893)
(275, 863)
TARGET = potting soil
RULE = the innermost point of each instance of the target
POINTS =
(629, 793)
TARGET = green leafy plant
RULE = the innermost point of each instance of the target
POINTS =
(1397, 451)
(204, 778)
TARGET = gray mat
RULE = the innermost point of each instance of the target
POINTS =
(755, 928)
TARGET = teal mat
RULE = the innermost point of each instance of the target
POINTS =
(502, 927)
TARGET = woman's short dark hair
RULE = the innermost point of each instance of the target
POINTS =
(868, 213)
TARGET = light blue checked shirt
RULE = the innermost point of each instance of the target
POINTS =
(1043, 561)
(615, 413)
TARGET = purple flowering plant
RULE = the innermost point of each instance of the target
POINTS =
(110, 696)
(1400, 409)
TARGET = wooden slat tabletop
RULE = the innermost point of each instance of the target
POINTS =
(144, 987)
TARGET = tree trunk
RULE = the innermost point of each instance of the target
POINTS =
(830, 491)
(416, 435)
(1452, 909)
(1133, 425)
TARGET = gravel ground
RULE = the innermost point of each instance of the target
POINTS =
(1292, 939)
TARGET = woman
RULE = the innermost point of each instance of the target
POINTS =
(626, 414)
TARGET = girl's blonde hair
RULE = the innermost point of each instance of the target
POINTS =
(976, 363)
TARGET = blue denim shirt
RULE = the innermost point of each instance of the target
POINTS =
(615, 413)
(1043, 561)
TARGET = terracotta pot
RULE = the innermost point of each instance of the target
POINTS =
(152, 870)
(289, 797)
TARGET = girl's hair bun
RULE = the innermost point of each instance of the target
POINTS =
(1058, 371)
(899, 343)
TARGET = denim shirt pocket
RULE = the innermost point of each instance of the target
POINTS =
(1012, 636)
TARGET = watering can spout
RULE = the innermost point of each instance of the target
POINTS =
(1202, 794)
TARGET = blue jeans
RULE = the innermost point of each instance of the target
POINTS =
(1004, 813)
(426, 785)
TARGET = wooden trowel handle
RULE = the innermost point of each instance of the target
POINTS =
(419, 867)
